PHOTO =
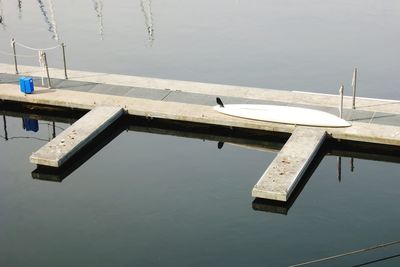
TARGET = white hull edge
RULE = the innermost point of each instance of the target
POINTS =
(283, 114)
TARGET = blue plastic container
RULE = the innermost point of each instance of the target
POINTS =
(26, 85)
(22, 84)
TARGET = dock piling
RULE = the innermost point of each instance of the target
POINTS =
(354, 85)
(341, 101)
(47, 69)
(15, 55)
(64, 60)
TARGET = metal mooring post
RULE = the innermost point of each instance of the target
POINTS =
(341, 101)
(47, 69)
(354, 85)
(65, 62)
(15, 55)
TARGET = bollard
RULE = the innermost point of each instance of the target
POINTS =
(354, 85)
(65, 63)
(47, 70)
(15, 55)
(341, 101)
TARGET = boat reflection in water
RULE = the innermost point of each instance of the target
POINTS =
(51, 22)
(19, 9)
(2, 23)
(98, 8)
(148, 20)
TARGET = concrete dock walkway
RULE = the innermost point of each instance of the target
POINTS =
(63, 147)
(286, 170)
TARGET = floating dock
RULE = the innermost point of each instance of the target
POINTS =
(374, 121)
(63, 147)
(286, 170)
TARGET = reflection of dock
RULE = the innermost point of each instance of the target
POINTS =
(375, 122)
(268, 143)
(89, 150)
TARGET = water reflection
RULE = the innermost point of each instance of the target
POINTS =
(339, 169)
(3, 25)
(5, 128)
(19, 9)
(30, 125)
(51, 22)
(267, 143)
(148, 20)
(98, 8)
(48, 12)
(59, 174)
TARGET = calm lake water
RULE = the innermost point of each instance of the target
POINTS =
(159, 200)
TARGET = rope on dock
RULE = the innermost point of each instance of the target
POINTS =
(38, 49)
(348, 253)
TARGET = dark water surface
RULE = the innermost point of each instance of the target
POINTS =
(148, 199)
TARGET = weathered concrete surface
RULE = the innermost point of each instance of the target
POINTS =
(283, 96)
(66, 144)
(286, 170)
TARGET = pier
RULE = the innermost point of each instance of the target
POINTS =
(374, 121)
(68, 143)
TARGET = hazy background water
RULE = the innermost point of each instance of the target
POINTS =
(148, 199)
(297, 45)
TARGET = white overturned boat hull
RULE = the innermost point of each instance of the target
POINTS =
(283, 114)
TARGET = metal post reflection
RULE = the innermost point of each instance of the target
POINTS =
(54, 129)
(5, 127)
(339, 169)
(352, 164)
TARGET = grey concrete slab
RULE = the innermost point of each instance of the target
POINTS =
(8, 78)
(110, 89)
(71, 140)
(99, 88)
(190, 98)
(386, 119)
(74, 86)
(286, 170)
(153, 94)
(119, 90)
